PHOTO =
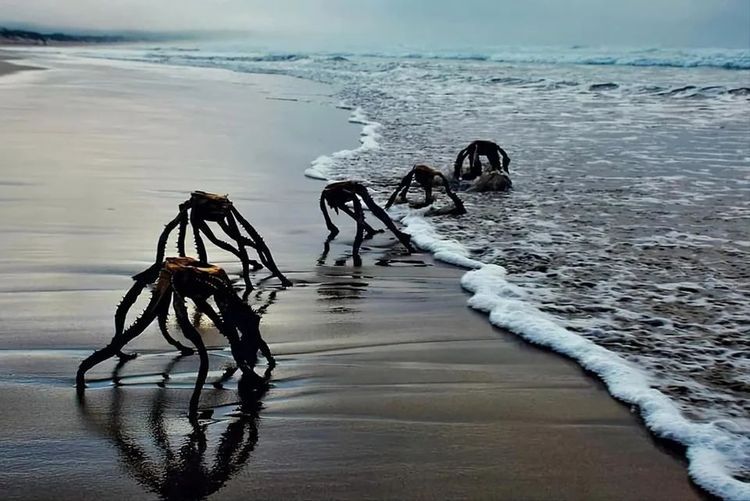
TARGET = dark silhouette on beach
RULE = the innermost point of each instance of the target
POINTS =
(179, 279)
(491, 151)
(202, 208)
(337, 196)
(425, 176)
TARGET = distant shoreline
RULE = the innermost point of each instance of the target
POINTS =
(34, 38)
(27, 37)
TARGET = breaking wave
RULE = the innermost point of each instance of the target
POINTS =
(321, 167)
(728, 59)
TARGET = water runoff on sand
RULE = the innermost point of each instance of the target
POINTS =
(626, 242)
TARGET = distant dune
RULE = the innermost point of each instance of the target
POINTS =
(24, 37)
(31, 36)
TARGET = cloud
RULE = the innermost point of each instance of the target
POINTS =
(448, 23)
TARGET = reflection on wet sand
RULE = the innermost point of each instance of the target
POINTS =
(415, 263)
(179, 465)
(340, 292)
(324, 254)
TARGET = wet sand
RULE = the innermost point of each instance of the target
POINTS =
(388, 386)
(6, 67)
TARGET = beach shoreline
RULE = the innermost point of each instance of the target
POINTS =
(7, 67)
(388, 386)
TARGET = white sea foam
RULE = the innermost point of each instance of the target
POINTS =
(321, 167)
(450, 251)
(712, 450)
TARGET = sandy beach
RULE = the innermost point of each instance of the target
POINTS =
(387, 385)
(7, 66)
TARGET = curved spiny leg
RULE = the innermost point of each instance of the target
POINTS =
(383, 216)
(265, 256)
(494, 159)
(506, 159)
(151, 274)
(204, 307)
(119, 340)
(234, 233)
(192, 334)
(475, 165)
(200, 247)
(369, 230)
(459, 163)
(162, 318)
(333, 230)
(475, 172)
(240, 253)
(227, 331)
(181, 232)
(403, 187)
(360, 218)
(217, 241)
(241, 240)
(164, 237)
(122, 311)
(230, 332)
(263, 251)
(460, 209)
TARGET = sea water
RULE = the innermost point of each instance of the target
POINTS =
(625, 243)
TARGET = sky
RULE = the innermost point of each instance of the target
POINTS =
(418, 23)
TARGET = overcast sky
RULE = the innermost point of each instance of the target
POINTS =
(443, 23)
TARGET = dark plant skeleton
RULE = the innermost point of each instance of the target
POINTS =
(202, 208)
(489, 150)
(425, 177)
(338, 195)
(178, 279)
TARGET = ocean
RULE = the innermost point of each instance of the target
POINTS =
(625, 243)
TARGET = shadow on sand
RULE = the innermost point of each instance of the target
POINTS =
(172, 456)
